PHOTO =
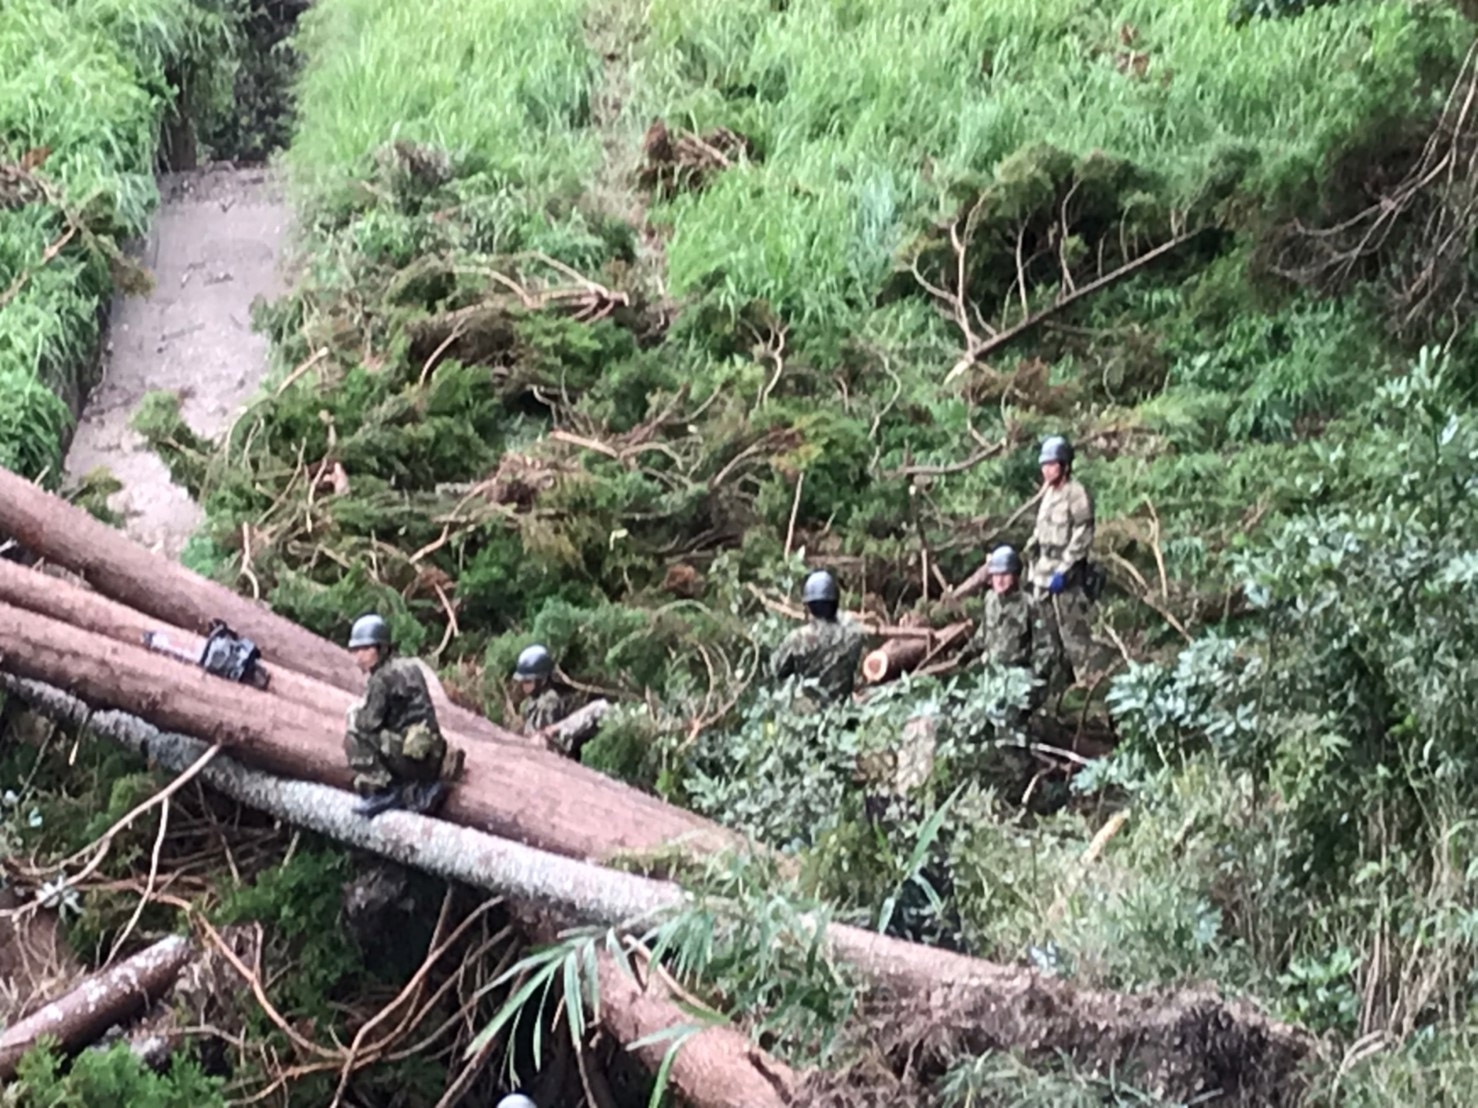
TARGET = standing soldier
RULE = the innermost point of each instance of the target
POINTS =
(392, 741)
(1063, 538)
(1012, 631)
(826, 648)
(544, 704)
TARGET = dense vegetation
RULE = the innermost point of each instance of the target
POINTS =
(613, 386)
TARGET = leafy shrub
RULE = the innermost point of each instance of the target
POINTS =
(112, 1078)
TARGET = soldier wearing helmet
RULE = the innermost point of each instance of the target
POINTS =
(826, 649)
(1012, 631)
(544, 703)
(393, 741)
(1063, 539)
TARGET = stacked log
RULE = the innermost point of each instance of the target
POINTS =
(126, 571)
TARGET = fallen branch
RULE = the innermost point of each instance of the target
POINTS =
(102, 1000)
(982, 348)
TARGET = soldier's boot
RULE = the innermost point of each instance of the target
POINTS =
(425, 797)
(382, 800)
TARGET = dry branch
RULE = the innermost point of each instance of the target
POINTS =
(982, 348)
(99, 1002)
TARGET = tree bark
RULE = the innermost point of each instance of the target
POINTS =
(523, 793)
(122, 569)
(99, 1002)
(947, 1003)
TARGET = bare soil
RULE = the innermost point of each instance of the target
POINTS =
(213, 249)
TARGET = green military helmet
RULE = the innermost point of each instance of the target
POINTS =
(820, 587)
(1056, 449)
(534, 664)
(369, 630)
(1003, 559)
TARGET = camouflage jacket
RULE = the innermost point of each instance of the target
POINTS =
(1012, 633)
(1064, 533)
(827, 650)
(396, 697)
(543, 708)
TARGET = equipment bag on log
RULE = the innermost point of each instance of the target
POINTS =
(223, 654)
(226, 654)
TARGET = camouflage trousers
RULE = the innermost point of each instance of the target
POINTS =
(1068, 618)
(381, 758)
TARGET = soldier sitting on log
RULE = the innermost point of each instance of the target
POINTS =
(393, 741)
(826, 649)
(544, 702)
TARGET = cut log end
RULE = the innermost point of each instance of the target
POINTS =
(875, 667)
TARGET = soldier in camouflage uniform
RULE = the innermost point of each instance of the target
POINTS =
(1063, 538)
(392, 740)
(544, 704)
(1012, 630)
(826, 648)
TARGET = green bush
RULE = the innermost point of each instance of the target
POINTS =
(84, 80)
(112, 1078)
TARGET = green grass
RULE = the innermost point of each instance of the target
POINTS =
(503, 86)
(86, 79)
(868, 113)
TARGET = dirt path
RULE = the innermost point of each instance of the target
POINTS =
(212, 250)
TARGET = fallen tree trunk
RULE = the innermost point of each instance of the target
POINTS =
(124, 570)
(1186, 1042)
(102, 1000)
(894, 657)
(525, 794)
(718, 1067)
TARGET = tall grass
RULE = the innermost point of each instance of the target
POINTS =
(501, 85)
(867, 111)
(85, 78)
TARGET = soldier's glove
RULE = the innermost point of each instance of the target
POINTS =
(1057, 584)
